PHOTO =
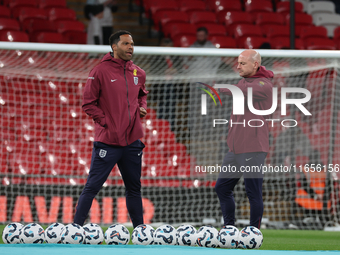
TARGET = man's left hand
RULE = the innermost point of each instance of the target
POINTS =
(142, 112)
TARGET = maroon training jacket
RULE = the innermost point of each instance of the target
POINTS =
(113, 94)
(252, 139)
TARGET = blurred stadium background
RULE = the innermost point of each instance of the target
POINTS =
(46, 139)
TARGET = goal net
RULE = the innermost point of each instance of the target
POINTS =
(46, 138)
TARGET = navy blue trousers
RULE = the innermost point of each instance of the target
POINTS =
(104, 158)
(237, 165)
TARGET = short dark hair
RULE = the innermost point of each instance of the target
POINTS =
(202, 29)
(115, 37)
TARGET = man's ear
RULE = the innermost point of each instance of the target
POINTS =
(114, 47)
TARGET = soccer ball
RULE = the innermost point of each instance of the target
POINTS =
(11, 232)
(32, 233)
(165, 234)
(207, 236)
(250, 238)
(73, 234)
(143, 234)
(186, 235)
(53, 233)
(117, 234)
(93, 234)
(228, 237)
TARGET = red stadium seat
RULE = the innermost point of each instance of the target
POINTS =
(49, 37)
(272, 31)
(13, 36)
(284, 7)
(336, 33)
(258, 6)
(52, 3)
(202, 17)
(37, 26)
(243, 30)
(164, 17)
(301, 19)
(61, 14)
(224, 5)
(184, 40)
(23, 13)
(178, 29)
(162, 6)
(9, 24)
(23, 3)
(214, 29)
(308, 32)
(319, 44)
(191, 6)
(69, 25)
(232, 19)
(299, 28)
(270, 18)
(4, 12)
(223, 41)
(284, 43)
(75, 37)
(251, 42)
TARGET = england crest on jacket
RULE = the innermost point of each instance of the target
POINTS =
(135, 79)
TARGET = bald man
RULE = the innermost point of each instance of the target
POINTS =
(248, 144)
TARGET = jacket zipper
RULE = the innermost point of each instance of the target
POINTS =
(127, 98)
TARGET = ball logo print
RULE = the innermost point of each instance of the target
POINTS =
(143, 235)
(117, 234)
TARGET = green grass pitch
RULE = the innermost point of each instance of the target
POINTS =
(286, 239)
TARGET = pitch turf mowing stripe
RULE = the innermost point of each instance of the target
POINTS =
(57, 249)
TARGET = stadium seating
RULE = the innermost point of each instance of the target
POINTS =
(225, 5)
(251, 42)
(191, 6)
(178, 29)
(258, 6)
(9, 24)
(330, 21)
(202, 17)
(317, 7)
(244, 30)
(270, 18)
(315, 43)
(284, 7)
(5, 12)
(162, 6)
(232, 19)
(273, 31)
(23, 3)
(184, 40)
(23, 13)
(52, 3)
(164, 17)
(214, 29)
(301, 19)
(61, 14)
(320, 32)
(13, 36)
(223, 41)
(49, 37)
(284, 43)
(75, 37)
(69, 25)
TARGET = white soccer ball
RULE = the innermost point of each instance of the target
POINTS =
(11, 232)
(143, 235)
(53, 232)
(165, 235)
(207, 236)
(228, 237)
(186, 235)
(250, 238)
(32, 233)
(73, 234)
(93, 234)
(117, 234)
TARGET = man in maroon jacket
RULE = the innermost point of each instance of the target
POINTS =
(248, 144)
(115, 98)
